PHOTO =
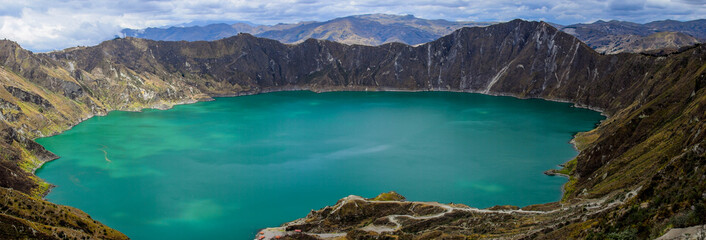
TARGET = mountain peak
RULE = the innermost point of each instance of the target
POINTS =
(379, 28)
(519, 58)
(9, 43)
(384, 16)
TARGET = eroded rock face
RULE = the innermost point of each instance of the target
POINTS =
(12, 144)
(653, 140)
(526, 59)
(690, 233)
(25, 96)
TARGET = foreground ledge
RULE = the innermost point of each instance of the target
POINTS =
(390, 216)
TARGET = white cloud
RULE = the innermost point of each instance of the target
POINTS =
(47, 25)
(56, 27)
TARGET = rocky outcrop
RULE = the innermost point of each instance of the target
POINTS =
(25, 96)
(355, 217)
(651, 145)
(690, 233)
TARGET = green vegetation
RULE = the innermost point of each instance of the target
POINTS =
(22, 213)
(389, 196)
(652, 144)
(567, 168)
(569, 188)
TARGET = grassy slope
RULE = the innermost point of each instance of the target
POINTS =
(651, 141)
(664, 160)
(26, 216)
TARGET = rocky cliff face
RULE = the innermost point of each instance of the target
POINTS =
(527, 59)
(651, 145)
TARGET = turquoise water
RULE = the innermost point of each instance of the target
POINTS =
(224, 169)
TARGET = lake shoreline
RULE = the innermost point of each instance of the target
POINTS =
(161, 106)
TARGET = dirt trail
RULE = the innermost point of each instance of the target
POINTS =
(593, 204)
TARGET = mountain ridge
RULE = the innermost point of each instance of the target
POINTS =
(367, 29)
(608, 37)
(614, 36)
(654, 104)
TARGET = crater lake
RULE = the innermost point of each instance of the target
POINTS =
(226, 168)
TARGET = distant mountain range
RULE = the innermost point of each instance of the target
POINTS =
(370, 29)
(619, 36)
(638, 174)
(375, 29)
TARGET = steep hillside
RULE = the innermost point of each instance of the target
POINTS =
(370, 29)
(590, 31)
(618, 36)
(696, 28)
(639, 173)
(660, 43)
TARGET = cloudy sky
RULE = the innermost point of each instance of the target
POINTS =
(42, 25)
